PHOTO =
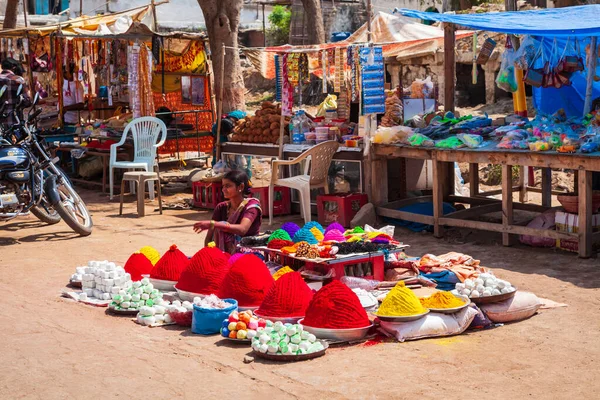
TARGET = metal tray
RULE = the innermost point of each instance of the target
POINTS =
(287, 358)
(404, 318)
(236, 340)
(493, 299)
(163, 285)
(122, 312)
(188, 296)
(339, 335)
(283, 320)
(454, 309)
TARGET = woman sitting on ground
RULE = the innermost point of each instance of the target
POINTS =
(234, 218)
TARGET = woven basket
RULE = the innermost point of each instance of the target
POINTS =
(570, 202)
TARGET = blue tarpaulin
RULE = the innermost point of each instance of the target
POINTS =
(555, 22)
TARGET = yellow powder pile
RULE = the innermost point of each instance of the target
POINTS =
(400, 302)
(441, 300)
(318, 234)
(282, 271)
(151, 254)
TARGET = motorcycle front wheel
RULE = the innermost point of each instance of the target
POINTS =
(71, 207)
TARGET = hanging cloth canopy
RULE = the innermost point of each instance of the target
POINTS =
(556, 22)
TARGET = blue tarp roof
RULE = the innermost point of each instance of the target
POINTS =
(568, 21)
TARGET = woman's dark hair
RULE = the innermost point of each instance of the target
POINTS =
(239, 177)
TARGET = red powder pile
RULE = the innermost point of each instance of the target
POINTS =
(170, 266)
(335, 306)
(279, 243)
(138, 265)
(247, 281)
(288, 297)
(205, 272)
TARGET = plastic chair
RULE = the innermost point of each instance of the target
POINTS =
(145, 132)
(320, 158)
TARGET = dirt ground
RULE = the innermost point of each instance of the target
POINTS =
(53, 348)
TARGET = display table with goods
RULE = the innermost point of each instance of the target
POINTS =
(328, 253)
(563, 135)
(273, 310)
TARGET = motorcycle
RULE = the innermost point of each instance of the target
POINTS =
(29, 178)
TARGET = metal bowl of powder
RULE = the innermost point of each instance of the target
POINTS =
(341, 335)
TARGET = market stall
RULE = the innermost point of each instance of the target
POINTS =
(293, 312)
(548, 141)
(110, 69)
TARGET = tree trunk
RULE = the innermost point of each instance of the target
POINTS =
(222, 18)
(313, 17)
(10, 14)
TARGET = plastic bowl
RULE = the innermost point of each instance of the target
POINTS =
(182, 318)
(339, 335)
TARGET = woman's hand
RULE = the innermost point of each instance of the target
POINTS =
(201, 226)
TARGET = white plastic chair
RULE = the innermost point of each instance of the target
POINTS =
(320, 158)
(145, 132)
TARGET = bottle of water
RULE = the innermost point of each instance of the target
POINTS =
(299, 125)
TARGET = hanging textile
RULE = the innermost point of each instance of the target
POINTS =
(287, 91)
(293, 70)
(278, 78)
(139, 65)
(337, 83)
(324, 69)
(303, 75)
(372, 79)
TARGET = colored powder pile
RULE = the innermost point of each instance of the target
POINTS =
(279, 243)
(336, 306)
(235, 257)
(441, 299)
(279, 234)
(318, 234)
(291, 228)
(247, 281)
(356, 231)
(137, 265)
(282, 271)
(335, 226)
(205, 272)
(305, 235)
(401, 301)
(288, 297)
(314, 224)
(334, 236)
(151, 254)
(170, 266)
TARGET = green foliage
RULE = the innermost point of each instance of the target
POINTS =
(280, 19)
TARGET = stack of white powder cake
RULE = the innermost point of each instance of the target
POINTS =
(102, 280)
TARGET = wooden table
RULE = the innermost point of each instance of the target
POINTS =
(340, 262)
(443, 178)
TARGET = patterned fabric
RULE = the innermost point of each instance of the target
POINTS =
(287, 92)
(12, 82)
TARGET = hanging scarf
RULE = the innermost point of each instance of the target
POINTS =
(287, 91)
(228, 241)
(145, 82)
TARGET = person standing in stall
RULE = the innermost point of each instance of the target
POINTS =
(239, 216)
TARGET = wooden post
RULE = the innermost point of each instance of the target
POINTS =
(474, 179)
(264, 27)
(585, 213)
(507, 202)
(546, 187)
(449, 67)
(220, 105)
(155, 19)
(438, 197)
(59, 79)
(369, 15)
(522, 185)
(591, 73)
(379, 180)
(25, 16)
(281, 132)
